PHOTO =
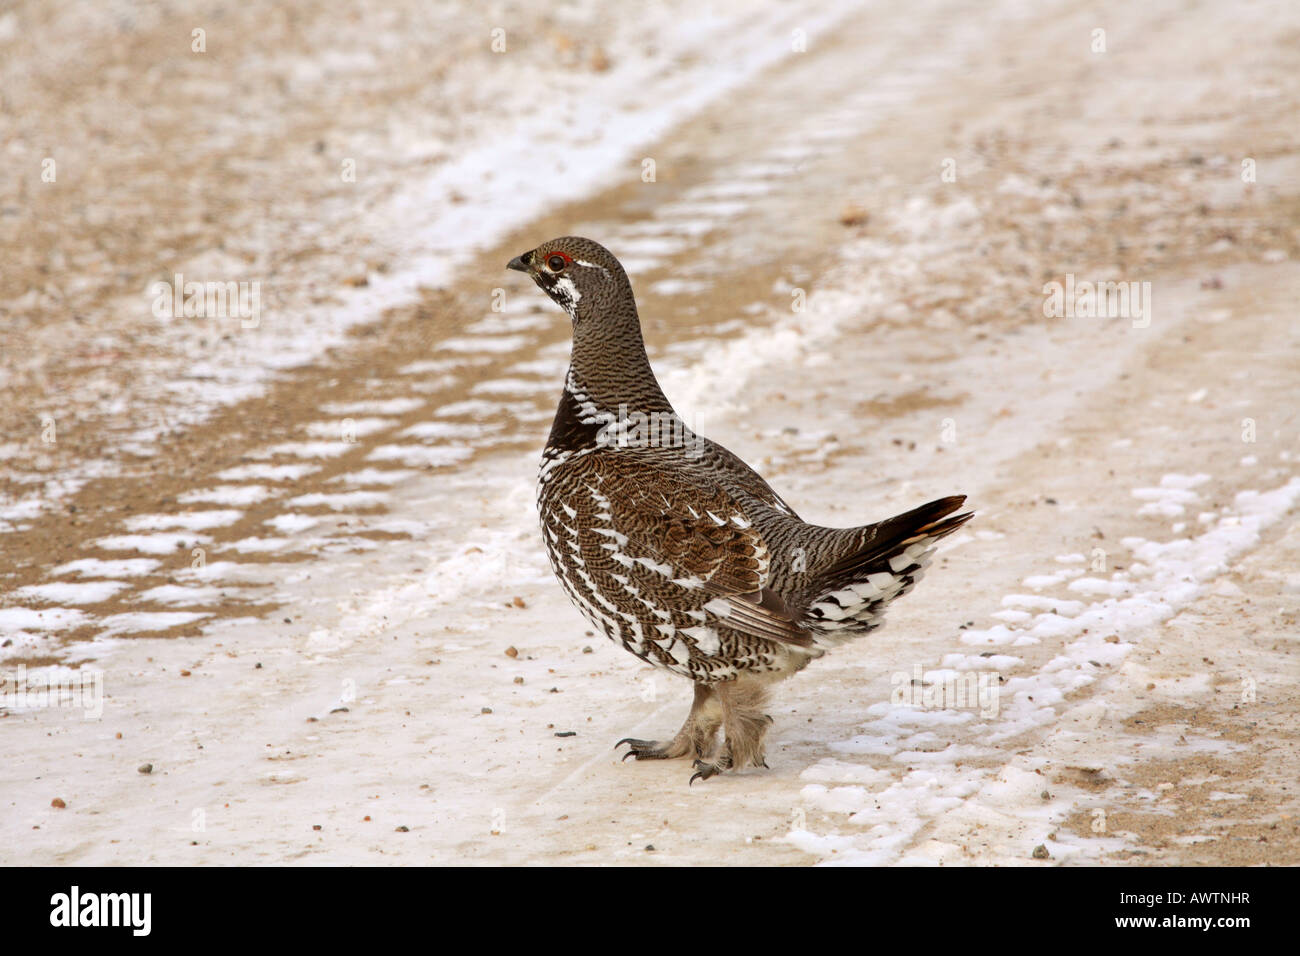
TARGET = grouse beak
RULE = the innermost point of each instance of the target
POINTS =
(520, 263)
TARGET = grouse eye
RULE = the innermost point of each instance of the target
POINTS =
(556, 263)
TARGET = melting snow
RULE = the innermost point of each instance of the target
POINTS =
(99, 568)
(63, 592)
(260, 472)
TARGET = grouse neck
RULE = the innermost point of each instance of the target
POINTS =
(609, 383)
(609, 369)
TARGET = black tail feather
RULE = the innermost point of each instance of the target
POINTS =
(934, 520)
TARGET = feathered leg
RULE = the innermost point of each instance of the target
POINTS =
(744, 725)
(695, 739)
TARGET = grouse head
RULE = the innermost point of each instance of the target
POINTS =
(577, 273)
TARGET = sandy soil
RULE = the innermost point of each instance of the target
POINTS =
(397, 678)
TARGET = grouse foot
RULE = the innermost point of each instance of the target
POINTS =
(654, 749)
(706, 769)
(695, 739)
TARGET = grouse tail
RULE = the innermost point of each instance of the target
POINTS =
(853, 592)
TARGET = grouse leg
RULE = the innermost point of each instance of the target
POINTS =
(744, 725)
(695, 739)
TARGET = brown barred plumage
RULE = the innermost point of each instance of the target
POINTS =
(678, 550)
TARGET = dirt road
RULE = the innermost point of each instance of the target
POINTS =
(303, 598)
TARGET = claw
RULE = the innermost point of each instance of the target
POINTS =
(703, 771)
(644, 749)
(636, 745)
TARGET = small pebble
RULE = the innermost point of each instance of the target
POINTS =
(853, 215)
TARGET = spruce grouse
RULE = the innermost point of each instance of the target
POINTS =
(676, 549)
